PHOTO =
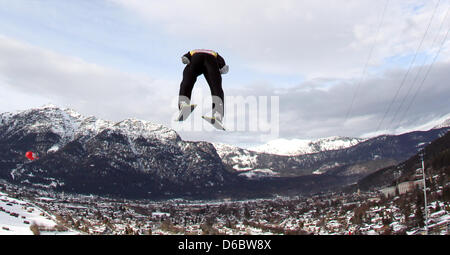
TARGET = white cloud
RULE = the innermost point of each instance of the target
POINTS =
(312, 38)
(319, 113)
(326, 42)
(27, 71)
(308, 111)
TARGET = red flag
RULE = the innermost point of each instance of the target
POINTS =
(31, 155)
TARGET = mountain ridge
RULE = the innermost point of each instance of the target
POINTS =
(436, 156)
(295, 147)
(136, 158)
(359, 158)
(86, 154)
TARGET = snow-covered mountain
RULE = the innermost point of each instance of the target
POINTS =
(70, 125)
(90, 155)
(444, 124)
(350, 157)
(137, 158)
(243, 161)
(296, 147)
(435, 157)
(239, 159)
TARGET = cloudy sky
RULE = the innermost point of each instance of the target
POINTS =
(338, 67)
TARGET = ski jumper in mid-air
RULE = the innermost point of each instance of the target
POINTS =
(212, 66)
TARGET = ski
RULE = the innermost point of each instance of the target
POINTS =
(213, 121)
(185, 111)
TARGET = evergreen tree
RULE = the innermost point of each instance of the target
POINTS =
(420, 221)
(386, 220)
(246, 213)
(406, 210)
(438, 207)
(446, 194)
(419, 203)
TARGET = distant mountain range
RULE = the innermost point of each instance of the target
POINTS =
(356, 161)
(443, 124)
(140, 159)
(296, 147)
(436, 157)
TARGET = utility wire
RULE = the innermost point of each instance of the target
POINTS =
(410, 67)
(367, 62)
(418, 72)
(426, 76)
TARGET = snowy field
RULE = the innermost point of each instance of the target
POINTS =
(17, 217)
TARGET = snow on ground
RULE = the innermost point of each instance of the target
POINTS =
(258, 173)
(240, 159)
(16, 218)
(295, 147)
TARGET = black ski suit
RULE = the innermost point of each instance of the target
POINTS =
(208, 63)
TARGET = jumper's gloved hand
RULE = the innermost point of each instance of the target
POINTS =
(185, 60)
(224, 69)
